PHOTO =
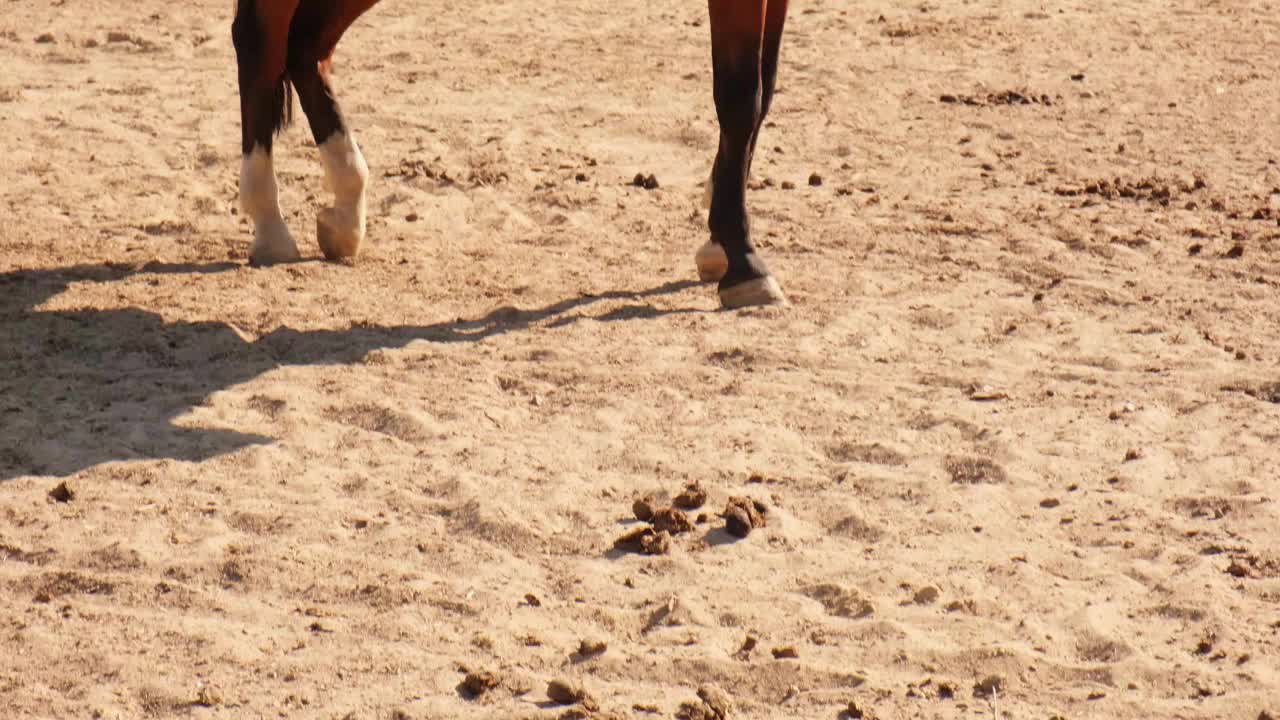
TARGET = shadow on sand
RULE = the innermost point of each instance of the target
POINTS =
(83, 387)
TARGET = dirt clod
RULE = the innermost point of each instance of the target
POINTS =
(988, 687)
(62, 493)
(644, 540)
(642, 509)
(691, 498)
(716, 700)
(926, 595)
(591, 647)
(785, 652)
(478, 683)
(563, 692)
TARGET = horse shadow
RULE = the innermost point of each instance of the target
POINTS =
(79, 388)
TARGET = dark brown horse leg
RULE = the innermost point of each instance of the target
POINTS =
(260, 34)
(315, 32)
(737, 50)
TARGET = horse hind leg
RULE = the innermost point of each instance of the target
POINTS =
(340, 229)
(259, 33)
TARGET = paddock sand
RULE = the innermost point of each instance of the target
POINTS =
(1019, 430)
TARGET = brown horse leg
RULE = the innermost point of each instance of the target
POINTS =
(737, 50)
(315, 32)
(260, 35)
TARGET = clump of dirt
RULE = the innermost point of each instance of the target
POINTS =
(478, 683)
(1162, 191)
(1004, 97)
(62, 493)
(967, 470)
(645, 540)
(563, 692)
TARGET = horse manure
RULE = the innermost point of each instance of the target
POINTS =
(691, 498)
(648, 182)
(642, 509)
(671, 520)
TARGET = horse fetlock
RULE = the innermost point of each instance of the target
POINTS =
(345, 171)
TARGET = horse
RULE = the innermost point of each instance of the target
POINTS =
(286, 46)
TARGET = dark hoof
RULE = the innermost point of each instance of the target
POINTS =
(760, 291)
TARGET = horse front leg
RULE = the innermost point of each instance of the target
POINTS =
(316, 30)
(745, 37)
(260, 35)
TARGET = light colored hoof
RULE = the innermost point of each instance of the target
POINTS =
(338, 235)
(712, 262)
(273, 245)
(763, 291)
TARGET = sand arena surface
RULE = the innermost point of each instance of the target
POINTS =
(1021, 422)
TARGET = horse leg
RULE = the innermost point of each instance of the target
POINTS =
(711, 260)
(315, 33)
(260, 35)
(737, 50)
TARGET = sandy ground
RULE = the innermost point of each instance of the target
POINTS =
(1017, 436)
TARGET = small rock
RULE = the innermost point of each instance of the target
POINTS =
(532, 600)
(592, 647)
(1050, 503)
(208, 696)
(691, 498)
(988, 687)
(788, 185)
(563, 692)
(62, 493)
(946, 691)
(748, 645)
(853, 712)
(411, 217)
(716, 700)
(694, 711)
(786, 652)
(478, 683)
(1077, 77)
(1236, 251)
(46, 38)
(815, 180)
(926, 595)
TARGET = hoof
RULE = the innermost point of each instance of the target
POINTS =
(273, 245)
(712, 262)
(761, 291)
(338, 236)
